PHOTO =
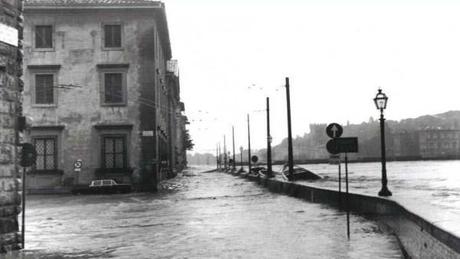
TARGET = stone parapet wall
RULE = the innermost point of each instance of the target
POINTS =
(10, 87)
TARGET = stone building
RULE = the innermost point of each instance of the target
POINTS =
(10, 87)
(96, 91)
(175, 118)
(404, 144)
(439, 143)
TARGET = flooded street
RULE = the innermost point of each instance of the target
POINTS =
(198, 215)
(430, 189)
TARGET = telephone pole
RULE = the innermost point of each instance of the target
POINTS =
(249, 147)
(269, 140)
(290, 156)
(233, 140)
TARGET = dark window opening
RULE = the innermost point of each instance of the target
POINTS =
(114, 152)
(112, 36)
(46, 153)
(44, 36)
(44, 90)
(113, 88)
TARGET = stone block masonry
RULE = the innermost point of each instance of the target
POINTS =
(10, 87)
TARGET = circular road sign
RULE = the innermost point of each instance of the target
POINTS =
(331, 147)
(334, 130)
(78, 164)
(254, 159)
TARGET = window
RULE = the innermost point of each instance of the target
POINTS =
(46, 153)
(113, 88)
(44, 37)
(44, 89)
(114, 151)
(112, 36)
(113, 84)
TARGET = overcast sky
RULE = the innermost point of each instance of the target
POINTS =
(233, 54)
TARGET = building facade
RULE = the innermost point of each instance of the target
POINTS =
(10, 108)
(439, 143)
(96, 92)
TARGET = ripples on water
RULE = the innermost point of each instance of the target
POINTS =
(424, 182)
(198, 215)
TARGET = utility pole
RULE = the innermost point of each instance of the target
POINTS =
(233, 140)
(249, 147)
(225, 155)
(217, 156)
(220, 158)
(241, 158)
(269, 140)
(290, 156)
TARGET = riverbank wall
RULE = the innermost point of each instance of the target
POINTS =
(418, 237)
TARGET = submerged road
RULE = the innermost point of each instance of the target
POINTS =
(198, 215)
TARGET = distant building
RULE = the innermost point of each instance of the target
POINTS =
(10, 87)
(98, 90)
(439, 143)
(404, 144)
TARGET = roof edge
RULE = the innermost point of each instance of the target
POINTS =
(53, 7)
(75, 6)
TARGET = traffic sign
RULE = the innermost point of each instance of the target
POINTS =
(28, 155)
(334, 130)
(342, 145)
(331, 147)
(254, 159)
(77, 165)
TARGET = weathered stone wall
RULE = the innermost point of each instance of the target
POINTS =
(10, 73)
(77, 53)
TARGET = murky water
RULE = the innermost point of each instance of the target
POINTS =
(198, 215)
(430, 187)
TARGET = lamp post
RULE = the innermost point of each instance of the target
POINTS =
(381, 103)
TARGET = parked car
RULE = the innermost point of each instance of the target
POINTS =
(105, 186)
(299, 173)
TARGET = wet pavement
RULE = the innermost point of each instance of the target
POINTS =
(198, 215)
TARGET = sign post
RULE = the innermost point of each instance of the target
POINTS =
(338, 145)
(77, 169)
(346, 189)
(28, 159)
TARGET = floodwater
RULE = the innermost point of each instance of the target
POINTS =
(198, 215)
(430, 189)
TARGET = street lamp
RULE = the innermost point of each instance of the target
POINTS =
(381, 103)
